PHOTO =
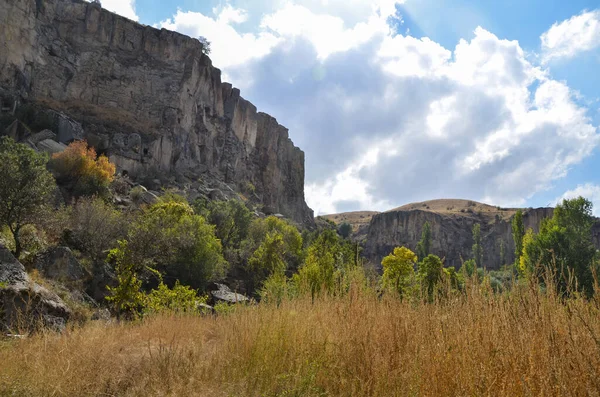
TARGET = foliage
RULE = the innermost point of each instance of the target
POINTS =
(276, 288)
(94, 227)
(518, 231)
(82, 170)
(292, 240)
(430, 272)
(268, 260)
(345, 230)
(180, 298)
(206, 50)
(424, 245)
(398, 267)
(171, 238)
(25, 186)
(477, 250)
(326, 266)
(564, 245)
(468, 268)
(231, 220)
(127, 297)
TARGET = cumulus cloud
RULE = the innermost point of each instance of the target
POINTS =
(387, 119)
(570, 37)
(229, 48)
(125, 8)
(589, 191)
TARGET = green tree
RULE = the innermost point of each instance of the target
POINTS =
(430, 272)
(477, 250)
(468, 268)
(127, 297)
(502, 253)
(25, 186)
(328, 262)
(424, 245)
(292, 240)
(268, 258)
(345, 230)
(518, 231)
(398, 267)
(564, 245)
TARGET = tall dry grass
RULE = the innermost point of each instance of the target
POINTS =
(525, 342)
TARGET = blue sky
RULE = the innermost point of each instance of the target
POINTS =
(394, 102)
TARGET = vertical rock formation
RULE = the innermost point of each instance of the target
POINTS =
(451, 223)
(148, 98)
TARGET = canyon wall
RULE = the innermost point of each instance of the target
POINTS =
(148, 98)
(451, 233)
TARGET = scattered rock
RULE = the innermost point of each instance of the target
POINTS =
(216, 194)
(224, 294)
(103, 276)
(60, 264)
(50, 146)
(25, 305)
(68, 129)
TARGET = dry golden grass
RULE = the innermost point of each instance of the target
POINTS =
(522, 343)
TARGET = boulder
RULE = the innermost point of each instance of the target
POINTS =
(68, 129)
(224, 294)
(50, 146)
(60, 264)
(25, 305)
(103, 276)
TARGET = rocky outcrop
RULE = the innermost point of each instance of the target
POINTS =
(451, 232)
(25, 305)
(148, 98)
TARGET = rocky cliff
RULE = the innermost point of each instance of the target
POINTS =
(451, 223)
(148, 98)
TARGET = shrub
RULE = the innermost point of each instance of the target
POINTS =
(398, 267)
(95, 227)
(82, 170)
(178, 299)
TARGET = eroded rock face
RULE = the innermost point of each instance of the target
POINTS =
(25, 305)
(451, 234)
(148, 98)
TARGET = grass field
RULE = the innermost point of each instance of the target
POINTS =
(521, 343)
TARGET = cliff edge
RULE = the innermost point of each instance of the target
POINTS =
(148, 98)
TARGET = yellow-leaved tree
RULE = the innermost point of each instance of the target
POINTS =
(398, 270)
(82, 170)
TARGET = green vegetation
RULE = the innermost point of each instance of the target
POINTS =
(424, 245)
(345, 230)
(518, 232)
(25, 186)
(477, 250)
(398, 270)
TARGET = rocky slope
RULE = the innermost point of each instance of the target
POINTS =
(148, 98)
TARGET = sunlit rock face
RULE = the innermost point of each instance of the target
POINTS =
(148, 98)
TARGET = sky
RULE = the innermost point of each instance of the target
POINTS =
(402, 101)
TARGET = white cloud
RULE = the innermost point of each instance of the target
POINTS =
(229, 48)
(387, 119)
(588, 191)
(481, 122)
(570, 37)
(125, 8)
